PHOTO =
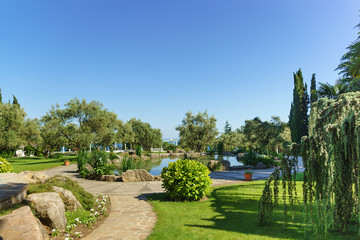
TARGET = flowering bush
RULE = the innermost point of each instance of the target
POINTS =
(5, 166)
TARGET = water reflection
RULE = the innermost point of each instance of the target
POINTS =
(155, 166)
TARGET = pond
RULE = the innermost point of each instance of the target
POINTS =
(155, 166)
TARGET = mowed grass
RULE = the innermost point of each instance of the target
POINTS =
(229, 213)
(37, 163)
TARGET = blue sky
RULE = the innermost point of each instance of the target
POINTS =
(156, 60)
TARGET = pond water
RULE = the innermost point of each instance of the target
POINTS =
(155, 166)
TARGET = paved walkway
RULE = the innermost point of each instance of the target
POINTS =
(131, 216)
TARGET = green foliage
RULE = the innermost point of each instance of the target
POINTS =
(126, 164)
(7, 153)
(138, 150)
(56, 156)
(313, 92)
(11, 126)
(270, 197)
(168, 146)
(252, 158)
(263, 135)
(144, 134)
(350, 67)
(82, 159)
(298, 118)
(330, 156)
(113, 156)
(197, 131)
(186, 180)
(5, 166)
(86, 199)
(99, 162)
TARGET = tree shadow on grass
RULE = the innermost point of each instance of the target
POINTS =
(237, 212)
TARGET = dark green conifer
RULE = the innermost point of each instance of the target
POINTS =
(313, 92)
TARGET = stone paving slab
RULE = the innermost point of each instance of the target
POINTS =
(13, 189)
(131, 218)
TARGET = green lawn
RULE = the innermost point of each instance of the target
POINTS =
(229, 213)
(37, 163)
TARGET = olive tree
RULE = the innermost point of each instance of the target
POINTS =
(197, 131)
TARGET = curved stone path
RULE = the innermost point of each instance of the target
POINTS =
(131, 217)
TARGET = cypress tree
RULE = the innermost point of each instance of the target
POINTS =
(313, 92)
(298, 119)
(0, 97)
(15, 101)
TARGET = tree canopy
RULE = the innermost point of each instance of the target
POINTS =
(197, 131)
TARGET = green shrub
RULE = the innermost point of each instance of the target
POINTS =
(126, 164)
(186, 180)
(138, 150)
(56, 156)
(5, 166)
(251, 158)
(99, 163)
(113, 156)
(86, 199)
(7, 154)
(82, 159)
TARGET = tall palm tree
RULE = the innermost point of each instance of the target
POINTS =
(328, 90)
(350, 68)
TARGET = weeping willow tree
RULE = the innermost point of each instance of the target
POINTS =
(331, 155)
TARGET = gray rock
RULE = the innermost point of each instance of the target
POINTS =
(49, 208)
(21, 224)
(109, 178)
(34, 177)
(226, 164)
(68, 198)
(137, 175)
(260, 165)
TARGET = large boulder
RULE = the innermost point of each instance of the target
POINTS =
(68, 198)
(260, 165)
(21, 224)
(137, 175)
(49, 208)
(34, 177)
(226, 164)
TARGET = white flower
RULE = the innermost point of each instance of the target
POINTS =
(91, 210)
(54, 230)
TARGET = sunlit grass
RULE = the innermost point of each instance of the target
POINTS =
(37, 163)
(229, 213)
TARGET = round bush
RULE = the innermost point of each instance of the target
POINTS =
(186, 180)
(5, 166)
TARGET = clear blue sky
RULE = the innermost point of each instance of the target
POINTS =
(155, 60)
